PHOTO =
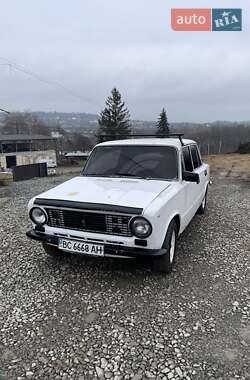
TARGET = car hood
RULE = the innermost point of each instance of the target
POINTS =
(136, 193)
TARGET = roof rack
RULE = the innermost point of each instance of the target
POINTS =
(104, 138)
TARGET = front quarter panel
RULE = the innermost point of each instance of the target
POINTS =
(162, 210)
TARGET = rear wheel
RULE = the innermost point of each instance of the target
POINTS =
(164, 264)
(203, 206)
(51, 250)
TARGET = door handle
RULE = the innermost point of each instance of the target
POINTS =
(205, 172)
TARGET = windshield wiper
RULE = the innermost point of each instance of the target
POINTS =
(90, 175)
(126, 175)
(96, 175)
(115, 175)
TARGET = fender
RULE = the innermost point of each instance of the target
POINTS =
(171, 217)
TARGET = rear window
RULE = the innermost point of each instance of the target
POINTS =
(195, 156)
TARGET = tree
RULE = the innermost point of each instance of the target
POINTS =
(77, 141)
(24, 123)
(114, 120)
(163, 124)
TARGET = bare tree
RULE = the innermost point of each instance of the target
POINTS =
(24, 123)
(76, 141)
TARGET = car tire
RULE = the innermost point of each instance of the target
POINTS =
(51, 250)
(165, 263)
(203, 206)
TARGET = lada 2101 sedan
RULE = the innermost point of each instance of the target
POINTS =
(134, 198)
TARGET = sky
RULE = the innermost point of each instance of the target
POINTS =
(67, 55)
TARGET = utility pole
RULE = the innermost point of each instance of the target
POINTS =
(220, 146)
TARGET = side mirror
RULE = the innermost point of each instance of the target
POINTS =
(190, 177)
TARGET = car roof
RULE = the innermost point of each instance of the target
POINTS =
(174, 142)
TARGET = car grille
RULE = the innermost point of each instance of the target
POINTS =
(89, 222)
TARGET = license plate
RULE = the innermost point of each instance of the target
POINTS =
(80, 247)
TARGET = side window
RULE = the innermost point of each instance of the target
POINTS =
(187, 159)
(199, 156)
(195, 156)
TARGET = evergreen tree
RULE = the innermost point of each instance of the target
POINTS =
(163, 124)
(114, 120)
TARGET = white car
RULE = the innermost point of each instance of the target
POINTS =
(134, 198)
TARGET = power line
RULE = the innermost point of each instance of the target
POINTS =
(45, 80)
(2, 110)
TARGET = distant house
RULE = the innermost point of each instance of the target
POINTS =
(56, 135)
(18, 150)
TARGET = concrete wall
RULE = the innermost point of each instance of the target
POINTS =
(2, 161)
(6, 179)
(26, 158)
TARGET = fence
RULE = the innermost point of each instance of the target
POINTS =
(24, 172)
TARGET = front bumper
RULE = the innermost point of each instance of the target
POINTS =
(109, 249)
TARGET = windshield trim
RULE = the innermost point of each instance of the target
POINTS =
(131, 178)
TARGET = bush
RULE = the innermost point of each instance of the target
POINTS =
(244, 148)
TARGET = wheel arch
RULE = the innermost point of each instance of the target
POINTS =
(177, 220)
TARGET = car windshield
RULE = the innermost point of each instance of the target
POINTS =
(149, 162)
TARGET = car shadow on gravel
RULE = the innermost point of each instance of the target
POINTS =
(112, 265)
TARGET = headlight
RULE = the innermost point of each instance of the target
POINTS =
(38, 216)
(140, 227)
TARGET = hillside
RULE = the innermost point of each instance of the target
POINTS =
(229, 165)
(213, 138)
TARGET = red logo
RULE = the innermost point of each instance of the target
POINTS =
(191, 19)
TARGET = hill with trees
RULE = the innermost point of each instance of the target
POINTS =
(213, 138)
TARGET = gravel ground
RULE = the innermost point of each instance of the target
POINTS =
(78, 318)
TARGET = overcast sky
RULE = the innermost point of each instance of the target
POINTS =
(90, 46)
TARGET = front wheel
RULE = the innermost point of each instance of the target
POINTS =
(164, 264)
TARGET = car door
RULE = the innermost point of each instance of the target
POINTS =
(200, 169)
(191, 188)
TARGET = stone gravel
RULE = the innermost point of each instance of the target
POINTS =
(82, 318)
